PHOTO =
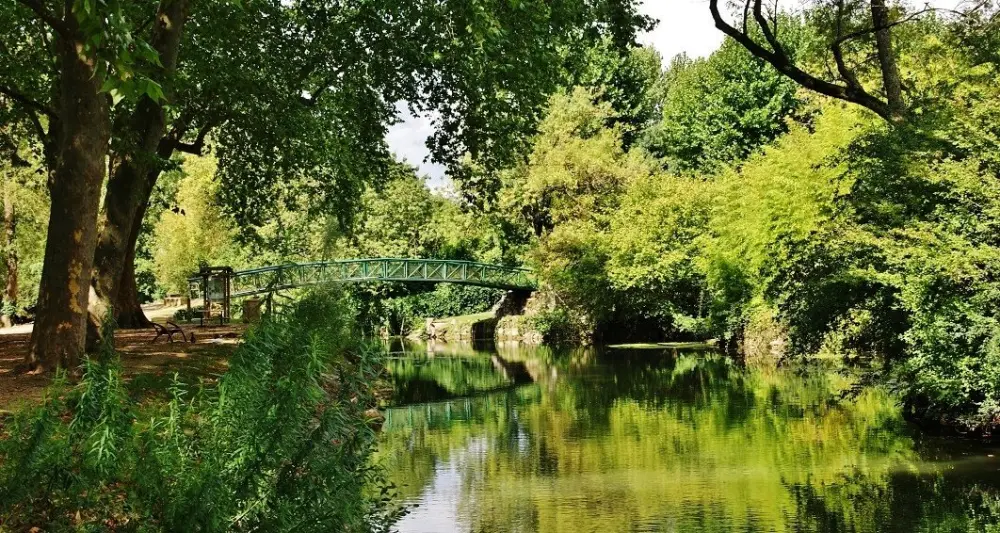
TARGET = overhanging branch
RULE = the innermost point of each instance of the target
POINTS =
(198, 146)
(838, 53)
(26, 101)
(58, 25)
(783, 64)
(855, 34)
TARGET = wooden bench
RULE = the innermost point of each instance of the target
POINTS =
(170, 330)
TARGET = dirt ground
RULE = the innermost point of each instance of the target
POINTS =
(149, 367)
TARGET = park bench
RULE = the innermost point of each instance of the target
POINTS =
(170, 330)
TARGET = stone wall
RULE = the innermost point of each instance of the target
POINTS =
(512, 319)
(461, 328)
(518, 328)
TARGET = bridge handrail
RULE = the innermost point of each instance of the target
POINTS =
(526, 272)
(372, 260)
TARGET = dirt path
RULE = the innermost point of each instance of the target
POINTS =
(149, 368)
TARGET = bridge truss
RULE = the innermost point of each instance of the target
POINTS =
(219, 284)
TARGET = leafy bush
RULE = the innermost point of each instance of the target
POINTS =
(557, 326)
(282, 444)
(401, 314)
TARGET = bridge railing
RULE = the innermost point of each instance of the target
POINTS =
(278, 277)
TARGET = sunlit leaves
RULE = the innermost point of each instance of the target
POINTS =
(718, 110)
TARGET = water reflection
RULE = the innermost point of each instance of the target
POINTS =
(525, 440)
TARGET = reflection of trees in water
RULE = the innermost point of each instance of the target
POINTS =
(429, 379)
(902, 502)
(631, 441)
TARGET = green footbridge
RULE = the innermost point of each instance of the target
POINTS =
(219, 285)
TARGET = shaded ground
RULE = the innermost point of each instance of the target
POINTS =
(149, 367)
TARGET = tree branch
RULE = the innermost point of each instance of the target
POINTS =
(26, 101)
(855, 34)
(783, 65)
(765, 28)
(144, 25)
(58, 25)
(39, 130)
(198, 146)
(324, 86)
(838, 54)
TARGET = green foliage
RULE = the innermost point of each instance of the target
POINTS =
(655, 240)
(483, 70)
(862, 238)
(404, 218)
(281, 444)
(556, 326)
(591, 205)
(577, 166)
(718, 110)
(402, 310)
(630, 82)
(777, 208)
(195, 231)
(563, 195)
(24, 187)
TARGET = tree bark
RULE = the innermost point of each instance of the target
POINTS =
(132, 182)
(891, 82)
(75, 187)
(128, 309)
(10, 247)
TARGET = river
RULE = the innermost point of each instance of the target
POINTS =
(526, 440)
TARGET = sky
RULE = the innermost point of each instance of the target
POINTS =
(685, 26)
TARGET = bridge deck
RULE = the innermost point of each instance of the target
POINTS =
(272, 278)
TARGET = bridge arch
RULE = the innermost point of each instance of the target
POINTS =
(220, 284)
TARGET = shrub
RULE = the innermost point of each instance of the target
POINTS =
(557, 326)
(282, 444)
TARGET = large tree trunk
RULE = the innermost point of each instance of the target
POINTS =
(891, 82)
(132, 183)
(75, 187)
(128, 309)
(10, 247)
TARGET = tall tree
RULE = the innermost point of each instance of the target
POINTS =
(14, 162)
(718, 110)
(334, 99)
(63, 62)
(135, 168)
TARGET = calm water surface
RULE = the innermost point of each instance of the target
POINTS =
(532, 440)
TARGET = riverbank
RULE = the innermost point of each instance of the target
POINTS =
(147, 367)
(258, 448)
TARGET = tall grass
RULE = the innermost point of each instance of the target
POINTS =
(281, 444)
